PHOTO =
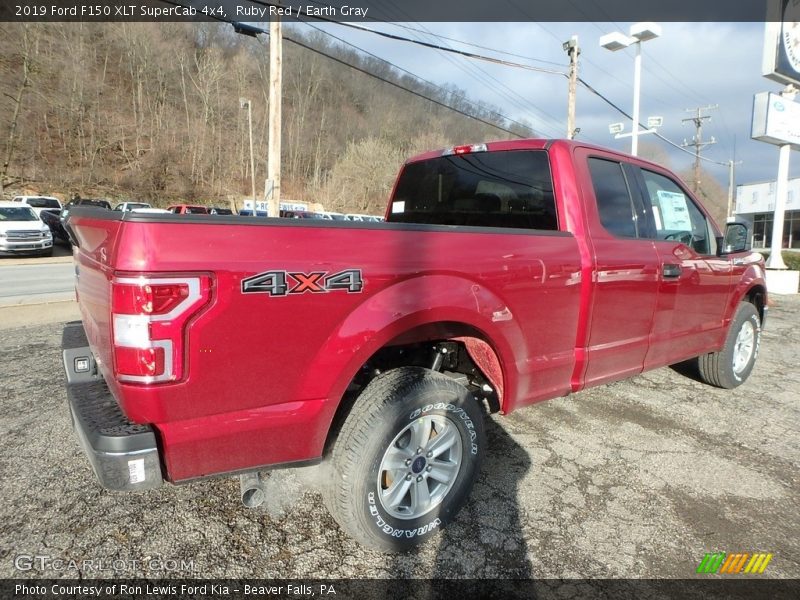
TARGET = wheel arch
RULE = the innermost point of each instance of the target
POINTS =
(757, 296)
(751, 287)
(408, 313)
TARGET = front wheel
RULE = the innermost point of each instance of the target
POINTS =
(731, 366)
(405, 459)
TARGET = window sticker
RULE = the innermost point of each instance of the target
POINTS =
(674, 211)
(399, 207)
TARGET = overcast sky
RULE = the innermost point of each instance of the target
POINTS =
(690, 65)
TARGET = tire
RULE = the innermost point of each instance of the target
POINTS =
(377, 482)
(731, 366)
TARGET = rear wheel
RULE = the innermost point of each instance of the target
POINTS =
(731, 366)
(405, 459)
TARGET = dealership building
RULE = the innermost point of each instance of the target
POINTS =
(755, 203)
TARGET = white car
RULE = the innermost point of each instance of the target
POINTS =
(126, 206)
(39, 203)
(333, 216)
(363, 218)
(151, 210)
(22, 231)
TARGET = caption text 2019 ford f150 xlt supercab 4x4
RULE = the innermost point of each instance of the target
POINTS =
(506, 273)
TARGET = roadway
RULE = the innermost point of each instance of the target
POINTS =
(35, 281)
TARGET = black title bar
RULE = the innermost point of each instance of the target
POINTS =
(366, 11)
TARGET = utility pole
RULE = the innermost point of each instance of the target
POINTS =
(244, 102)
(731, 185)
(697, 141)
(274, 144)
(572, 49)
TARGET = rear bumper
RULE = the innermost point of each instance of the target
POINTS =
(123, 454)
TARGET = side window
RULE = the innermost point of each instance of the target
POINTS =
(508, 188)
(614, 204)
(675, 215)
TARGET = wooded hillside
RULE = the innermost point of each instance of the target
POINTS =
(151, 112)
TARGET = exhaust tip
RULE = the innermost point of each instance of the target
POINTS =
(253, 493)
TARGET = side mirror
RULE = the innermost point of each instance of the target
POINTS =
(737, 239)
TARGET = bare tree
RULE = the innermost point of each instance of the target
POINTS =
(29, 37)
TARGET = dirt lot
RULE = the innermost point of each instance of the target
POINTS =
(634, 480)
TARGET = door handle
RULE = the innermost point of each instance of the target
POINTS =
(670, 270)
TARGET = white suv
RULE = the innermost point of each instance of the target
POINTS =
(128, 206)
(22, 231)
(39, 203)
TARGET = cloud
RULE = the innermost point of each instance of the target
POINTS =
(690, 65)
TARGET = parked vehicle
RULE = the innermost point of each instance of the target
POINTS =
(105, 204)
(126, 206)
(52, 218)
(220, 211)
(151, 210)
(507, 273)
(99, 203)
(304, 214)
(363, 218)
(22, 231)
(39, 203)
(333, 216)
(188, 209)
(95, 202)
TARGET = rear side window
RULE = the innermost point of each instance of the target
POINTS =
(614, 203)
(482, 189)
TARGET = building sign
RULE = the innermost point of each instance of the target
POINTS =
(262, 205)
(776, 120)
(753, 198)
(781, 58)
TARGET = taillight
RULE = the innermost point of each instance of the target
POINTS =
(149, 315)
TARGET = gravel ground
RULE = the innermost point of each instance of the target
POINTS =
(637, 479)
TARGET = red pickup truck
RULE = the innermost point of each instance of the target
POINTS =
(506, 273)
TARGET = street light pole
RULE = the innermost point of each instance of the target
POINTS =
(242, 103)
(639, 32)
(637, 87)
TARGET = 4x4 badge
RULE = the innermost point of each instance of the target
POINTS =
(282, 283)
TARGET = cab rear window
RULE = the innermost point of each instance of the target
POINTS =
(510, 189)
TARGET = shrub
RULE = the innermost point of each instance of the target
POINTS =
(791, 259)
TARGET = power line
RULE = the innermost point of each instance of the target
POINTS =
(417, 77)
(473, 45)
(427, 44)
(518, 65)
(252, 30)
(500, 89)
(658, 135)
(485, 78)
(397, 85)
